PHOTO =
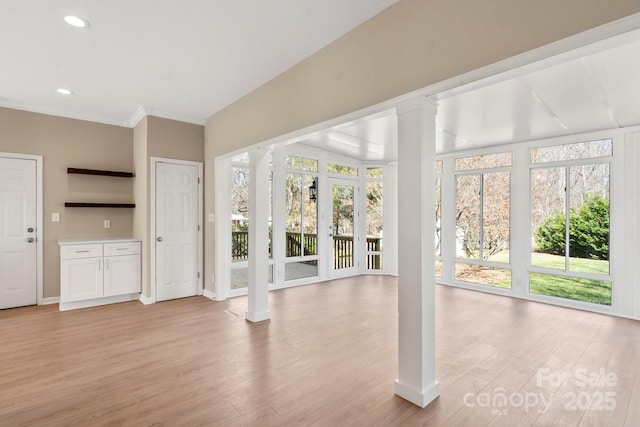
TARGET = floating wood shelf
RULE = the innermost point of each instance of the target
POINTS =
(99, 205)
(100, 172)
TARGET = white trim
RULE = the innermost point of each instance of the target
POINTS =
(50, 300)
(418, 397)
(144, 111)
(146, 300)
(209, 294)
(152, 231)
(39, 221)
(74, 305)
(222, 231)
(136, 117)
(257, 317)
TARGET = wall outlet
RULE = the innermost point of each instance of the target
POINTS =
(107, 223)
(55, 216)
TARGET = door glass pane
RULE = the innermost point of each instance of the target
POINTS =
(239, 214)
(343, 226)
(300, 270)
(548, 217)
(495, 217)
(293, 220)
(589, 218)
(468, 216)
(310, 218)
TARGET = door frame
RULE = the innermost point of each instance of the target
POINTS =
(152, 219)
(39, 226)
(357, 250)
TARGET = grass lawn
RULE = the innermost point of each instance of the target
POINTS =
(593, 291)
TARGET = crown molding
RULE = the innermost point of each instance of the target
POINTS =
(140, 113)
(144, 111)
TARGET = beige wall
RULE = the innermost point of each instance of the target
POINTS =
(175, 140)
(67, 143)
(158, 137)
(411, 45)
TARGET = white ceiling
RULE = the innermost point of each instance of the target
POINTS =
(593, 88)
(595, 91)
(182, 59)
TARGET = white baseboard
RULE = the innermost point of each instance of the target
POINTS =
(50, 300)
(73, 305)
(258, 317)
(209, 294)
(146, 300)
(418, 397)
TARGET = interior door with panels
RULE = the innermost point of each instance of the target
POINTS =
(18, 234)
(176, 231)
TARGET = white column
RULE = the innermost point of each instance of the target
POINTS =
(258, 289)
(416, 282)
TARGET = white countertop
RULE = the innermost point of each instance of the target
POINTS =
(97, 240)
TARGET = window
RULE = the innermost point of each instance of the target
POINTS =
(483, 162)
(375, 218)
(342, 169)
(482, 219)
(302, 164)
(570, 221)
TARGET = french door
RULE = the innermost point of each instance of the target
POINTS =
(343, 229)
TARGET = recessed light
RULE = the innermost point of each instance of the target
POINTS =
(63, 91)
(75, 21)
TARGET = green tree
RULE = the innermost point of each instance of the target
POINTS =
(588, 230)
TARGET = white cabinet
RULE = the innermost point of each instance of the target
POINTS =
(99, 272)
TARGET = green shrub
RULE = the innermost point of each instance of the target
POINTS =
(588, 230)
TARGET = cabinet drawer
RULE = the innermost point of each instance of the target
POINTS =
(114, 249)
(80, 251)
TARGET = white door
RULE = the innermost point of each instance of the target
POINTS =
(18, 254)
(176, 231)
(343, 230)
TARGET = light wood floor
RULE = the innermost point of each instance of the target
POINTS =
(327, 357)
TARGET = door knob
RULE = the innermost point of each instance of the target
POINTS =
(159, 239)
(31, 240)
(30, 230)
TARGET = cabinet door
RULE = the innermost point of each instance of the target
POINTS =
(121, 275)
(80, 279)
